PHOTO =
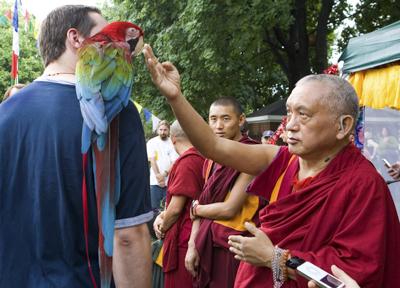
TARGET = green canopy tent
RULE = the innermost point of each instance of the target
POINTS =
(372, 49)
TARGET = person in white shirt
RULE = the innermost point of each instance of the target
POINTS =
(161, 154)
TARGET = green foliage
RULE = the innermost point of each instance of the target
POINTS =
(369, 15)
(30, 65)
(216, 54)
(253, 50)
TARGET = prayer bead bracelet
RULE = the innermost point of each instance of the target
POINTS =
(279, 269)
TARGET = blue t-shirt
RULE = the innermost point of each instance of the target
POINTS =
(41, 216)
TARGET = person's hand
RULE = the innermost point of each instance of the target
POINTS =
(159, 177)
(257, 250)
(160, 180)
(394, 171)
(192, 260)
(341, 275)
(164, 75)
(157, 226)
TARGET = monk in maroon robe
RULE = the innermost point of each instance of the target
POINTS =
(335, 208)
(185, 184)
(329, 214)
(223, 207)
(217, 265)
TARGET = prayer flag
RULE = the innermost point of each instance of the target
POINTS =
(147, 115)
(155, 122)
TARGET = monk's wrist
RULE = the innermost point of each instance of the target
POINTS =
(191, 245)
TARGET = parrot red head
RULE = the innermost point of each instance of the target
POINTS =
(121, 31)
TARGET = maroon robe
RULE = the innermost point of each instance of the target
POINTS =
(217, 266)
(185, 179)
(345, 216)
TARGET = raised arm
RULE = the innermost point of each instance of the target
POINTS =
(251, 159)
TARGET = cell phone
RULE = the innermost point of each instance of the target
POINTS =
(387, 164)
(321, 277)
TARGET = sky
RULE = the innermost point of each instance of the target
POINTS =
(40, 8)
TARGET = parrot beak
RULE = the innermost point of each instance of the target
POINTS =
(136, 46)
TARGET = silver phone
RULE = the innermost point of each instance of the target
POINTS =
(387, 164)
(321, 277)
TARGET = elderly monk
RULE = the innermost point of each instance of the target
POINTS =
(185, 185)
(328, 203)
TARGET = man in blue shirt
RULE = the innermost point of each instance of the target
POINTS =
(42, 242)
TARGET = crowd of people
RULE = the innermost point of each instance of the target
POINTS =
(230, 211)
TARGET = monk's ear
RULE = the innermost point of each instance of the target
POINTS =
(345, 126)
(242, 119)
(173, 139)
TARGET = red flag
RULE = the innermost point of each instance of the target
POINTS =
(15, 46)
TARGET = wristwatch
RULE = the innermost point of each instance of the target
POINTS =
(294, 262)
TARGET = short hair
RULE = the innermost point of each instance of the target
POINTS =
(229, 101)
(53, 31)
(8, 91)
(342, 98)
(163, 123)
(177, 131)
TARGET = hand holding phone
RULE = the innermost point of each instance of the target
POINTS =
(387, 164)
(321, 277)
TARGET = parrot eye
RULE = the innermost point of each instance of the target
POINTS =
(132, 33)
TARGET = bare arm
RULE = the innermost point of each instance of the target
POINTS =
(229, 208)
(251, 159)
(192, 256)
(159, 176)
(173, 211)
(132, 250)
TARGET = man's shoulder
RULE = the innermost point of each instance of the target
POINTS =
(153, 140)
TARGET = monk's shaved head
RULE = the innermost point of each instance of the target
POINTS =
(341, 98)
(177, 131)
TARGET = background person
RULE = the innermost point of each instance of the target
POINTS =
(266, 135)
(185, 184)
(223, 205)
(161, 154)
(12, 90)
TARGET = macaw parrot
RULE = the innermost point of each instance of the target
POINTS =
(104, 80)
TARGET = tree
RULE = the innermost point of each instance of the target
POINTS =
(255, 50)
(30, 65)
(215, 59)
(369, 15)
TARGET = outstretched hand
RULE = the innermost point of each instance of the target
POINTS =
(164, 75)
(257, 250)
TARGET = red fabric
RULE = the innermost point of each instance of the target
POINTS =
(345, 216)
(210, 234)
(14, 66)
(178, 278)
(224, 270)
(85, 217)
(185, 180)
